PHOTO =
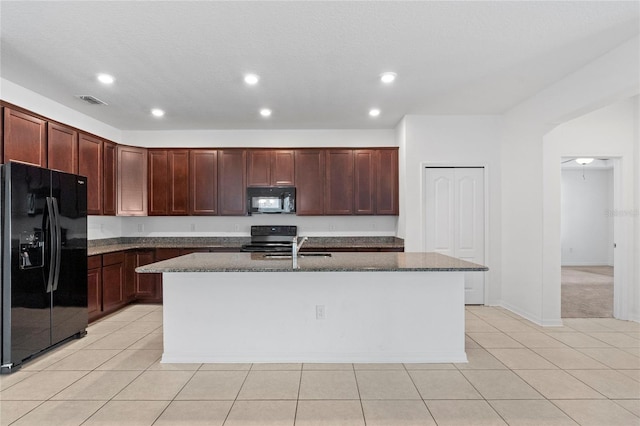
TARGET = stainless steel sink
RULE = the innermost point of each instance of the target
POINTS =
(314, 255)
(288, 256)
(276, 256)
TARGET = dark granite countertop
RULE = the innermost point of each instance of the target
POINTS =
(337, 262)
(111, 245)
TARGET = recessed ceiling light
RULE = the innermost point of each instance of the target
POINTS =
(106, 78)
(584, 161)
(388, 77)
(251, 79)
(265, 112)
(157, 112)
(374, 112)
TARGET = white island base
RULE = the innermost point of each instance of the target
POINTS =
(314, 317)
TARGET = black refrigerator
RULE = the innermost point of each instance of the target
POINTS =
(44, 261)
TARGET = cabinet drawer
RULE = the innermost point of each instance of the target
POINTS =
(112, 258)
(94, 262)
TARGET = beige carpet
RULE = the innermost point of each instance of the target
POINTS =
(587, 292)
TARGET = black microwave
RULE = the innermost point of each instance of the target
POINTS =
(271, 199)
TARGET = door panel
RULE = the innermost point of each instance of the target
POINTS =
(69, 314)
(454, 214)
(29, 328)
(440, 202)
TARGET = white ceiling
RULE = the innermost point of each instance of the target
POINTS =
(319, 61)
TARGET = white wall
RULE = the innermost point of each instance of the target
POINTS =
(608, 132)
(450, 141)
(531, 196)
(587, 222)
(261, 138)
(25, 98)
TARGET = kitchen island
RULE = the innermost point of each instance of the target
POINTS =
(345, 307)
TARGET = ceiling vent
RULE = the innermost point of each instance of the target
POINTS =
(91, 99)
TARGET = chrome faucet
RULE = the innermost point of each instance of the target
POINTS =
(295, 248)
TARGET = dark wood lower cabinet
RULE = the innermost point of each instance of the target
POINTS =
(113, 281)
(94, 287)
(148, 286)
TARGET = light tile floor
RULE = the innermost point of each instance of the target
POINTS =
(586, 372)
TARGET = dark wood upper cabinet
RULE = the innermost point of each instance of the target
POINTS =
(364, 181)
(259, 167)
(25, 138)
(387, 182)
(62, 148)
(178, 173)
(109, 174)
(283, 167)
(168, 182)
(270, 167)
(310, 182)
(90, 165)
(158, 182)
(132, 181)
(203, 186)
(232, 172)
(338, 194)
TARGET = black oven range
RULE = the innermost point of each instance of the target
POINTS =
(268, 239)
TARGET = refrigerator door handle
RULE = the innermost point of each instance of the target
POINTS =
(58, 241)
(52, 240)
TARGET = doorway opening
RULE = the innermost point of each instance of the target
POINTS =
(587, 235)
(454, 219)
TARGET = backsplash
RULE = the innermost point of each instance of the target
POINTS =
(103, 227)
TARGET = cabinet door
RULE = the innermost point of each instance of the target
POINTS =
(24, 138)
(62, 148)
(364, 181)
(283, 167)
(259, 167)
(147, 284)
(158, 182)
(178, 182)
(109, 178)
(232, 167)
(94, 286)
(132, 181)
(113, 286)
(90, 165)
(387, 182)
(203, 172)
(130, 264)
(339, 180)
(309, 170)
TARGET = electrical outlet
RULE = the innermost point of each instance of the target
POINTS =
(193, 227)
(332, 227)
(141, 227)
(236, 227)
(102, 227)
(321, 313)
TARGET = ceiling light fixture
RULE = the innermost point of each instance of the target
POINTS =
(388, 77)
(106, 79)
(265, 112)
(374, 112)
(583, 161)
(251, 79)
(157, 112)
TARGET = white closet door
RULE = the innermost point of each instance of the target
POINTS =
(455, 220)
